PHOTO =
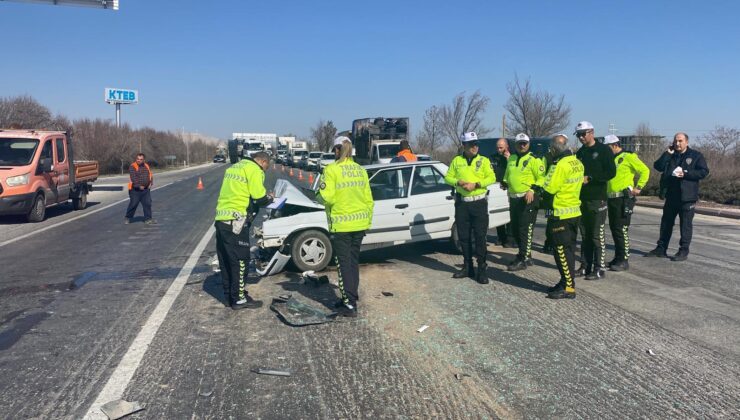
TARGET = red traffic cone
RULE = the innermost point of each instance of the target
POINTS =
(291, 171)
(200, 183)
(300, 175)
(310, 178)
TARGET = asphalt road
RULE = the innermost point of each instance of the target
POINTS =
(659, 341)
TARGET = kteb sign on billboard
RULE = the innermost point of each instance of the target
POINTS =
(121, 96)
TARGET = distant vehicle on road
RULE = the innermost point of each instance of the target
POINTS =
(412, 204)
(219, 159)
(378, 140)
(423, 158)
(296, 157)
(312, 163)
(38, 170)
(326, 158)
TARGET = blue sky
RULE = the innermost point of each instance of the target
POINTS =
(280, 66)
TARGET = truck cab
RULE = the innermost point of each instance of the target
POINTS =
(37, 171)
(377, 140)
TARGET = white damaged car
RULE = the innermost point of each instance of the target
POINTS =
(412, 204)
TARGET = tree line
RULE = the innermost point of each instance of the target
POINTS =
(100, 139)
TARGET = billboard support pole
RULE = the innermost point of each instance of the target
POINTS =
(118, 115)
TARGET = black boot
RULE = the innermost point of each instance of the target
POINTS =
(619, 265)
(582, 271)
(467, 270)
(517, 265)
(658, 252)
(597, 274)
(562, 293)
(681, 255)
(482, 275)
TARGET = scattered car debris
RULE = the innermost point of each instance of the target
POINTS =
(650, 352)
(460, 376)
(272, 372)
(205, 393)
(298, 314)
(422, 328)
(120, 408)
(387, 294)
(311, 278)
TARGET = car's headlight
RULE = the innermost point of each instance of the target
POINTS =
(15, 181)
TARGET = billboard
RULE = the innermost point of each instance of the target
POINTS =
(121, 96)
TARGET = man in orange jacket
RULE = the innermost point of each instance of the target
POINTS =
(405, 154)
(141, 181)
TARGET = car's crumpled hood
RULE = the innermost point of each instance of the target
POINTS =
(293, 195)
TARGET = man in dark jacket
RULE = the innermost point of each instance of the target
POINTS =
(598, 161)
(682, 168)
(498, 162)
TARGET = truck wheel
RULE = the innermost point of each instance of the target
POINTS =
(38, 210)
(79, 203)
(311, 250)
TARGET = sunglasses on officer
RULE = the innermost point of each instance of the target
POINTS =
(471, 144)
(583, 133)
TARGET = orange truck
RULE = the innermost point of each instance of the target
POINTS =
(37, 171)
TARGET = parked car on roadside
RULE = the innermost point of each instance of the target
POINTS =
(412, 204)
(219, 159)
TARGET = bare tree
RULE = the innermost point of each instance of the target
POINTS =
(722, 139)
(431, 136)
(463, 115)
(536, 113)
(24, 112)
(324, 134)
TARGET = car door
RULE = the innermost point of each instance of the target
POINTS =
(61, 169)
(50, 179)
(431, 204)
(390, 189)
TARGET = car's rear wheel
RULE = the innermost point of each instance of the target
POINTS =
(311, 250)
(79, 203)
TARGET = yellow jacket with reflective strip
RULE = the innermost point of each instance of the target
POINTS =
(628, 165)
(345, 192)
(243, 181)
(477, 171)
(523, 172)
(564, 181)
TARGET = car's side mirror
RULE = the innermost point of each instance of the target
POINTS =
(45, 165)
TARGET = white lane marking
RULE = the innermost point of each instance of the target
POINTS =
(125, 370)
(10, 241)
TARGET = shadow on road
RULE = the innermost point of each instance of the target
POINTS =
(51, 213)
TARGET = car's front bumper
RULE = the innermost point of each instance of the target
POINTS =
(16, 204)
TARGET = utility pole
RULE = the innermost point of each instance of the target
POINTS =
(612, 128)
(503, 126)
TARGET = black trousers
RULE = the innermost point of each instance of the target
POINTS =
(685, 211)
(233, 259)
(563, 234)
(523, 218)
(471, 219)
(505, 234)
(347, 258)
(139, 196)
(593, 246)
(619, 224)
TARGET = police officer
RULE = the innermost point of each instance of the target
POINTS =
(561, 199)
(682, 168)
(471, 174)
(524, 174)
(499, 161)
(621, 194)
(598, 161)
(345, 192)
(242, 193)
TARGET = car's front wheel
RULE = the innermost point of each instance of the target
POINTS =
(311, 250)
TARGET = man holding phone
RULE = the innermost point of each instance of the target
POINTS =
(682, 168)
